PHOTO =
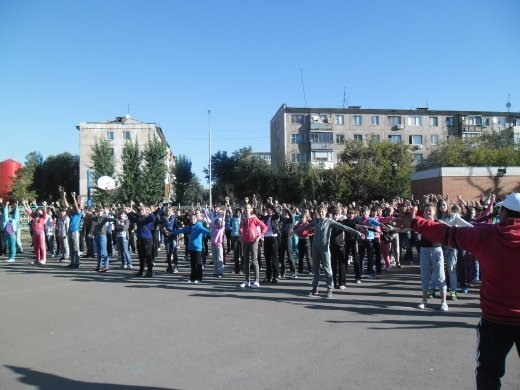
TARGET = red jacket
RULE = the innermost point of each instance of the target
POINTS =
(497, 248)
(248, 229)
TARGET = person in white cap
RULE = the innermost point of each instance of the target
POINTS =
(497, 247)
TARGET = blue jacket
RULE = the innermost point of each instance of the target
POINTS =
(195, 234)
(144, 225)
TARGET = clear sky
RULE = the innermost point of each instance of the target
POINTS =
(66, 62)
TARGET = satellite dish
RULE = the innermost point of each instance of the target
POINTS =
(106, 183)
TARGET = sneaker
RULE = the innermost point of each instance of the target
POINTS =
(196, 281)
(294, 275)
(245, 284)
(444, 306)
(255, 285)
(358, 281)
(282, 276)
(140, 273)
(104, 269)
(10, 261)
(329, 294)
(464, 290)
(97, 269)
(313, 292)
(175, 270)
(342, 287)
(189, 281)
(388, 269)
(70, 265)
(75, 266)
(274, 281)
(169, 270)
(371, 276)
(148, 274)
(220, 276)
(453, 295)
(422, 305)
(431, 293)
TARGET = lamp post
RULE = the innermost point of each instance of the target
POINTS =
(209, 156)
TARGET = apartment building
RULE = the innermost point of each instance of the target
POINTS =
(117, 132)
(317, 135)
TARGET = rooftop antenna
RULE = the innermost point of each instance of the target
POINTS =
(345, 100)
(427, 104)
(128, 108)
(303, 87)
(508, 104)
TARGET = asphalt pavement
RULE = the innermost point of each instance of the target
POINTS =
(81, 329)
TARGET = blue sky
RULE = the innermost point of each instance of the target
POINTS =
(65, 62)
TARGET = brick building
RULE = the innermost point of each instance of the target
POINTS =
(470, 182)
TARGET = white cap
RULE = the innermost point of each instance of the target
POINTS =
(511, 202)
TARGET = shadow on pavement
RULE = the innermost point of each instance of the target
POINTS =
(45, 381)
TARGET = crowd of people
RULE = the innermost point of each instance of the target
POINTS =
(287, 240)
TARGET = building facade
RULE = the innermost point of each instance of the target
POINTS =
(117, 132)
(469, 182)
(317, 135)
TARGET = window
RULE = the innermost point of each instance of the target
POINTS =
(356, 120)
(450, 121)
(434, 121)
(434, 140)
(485, 122)
(112, 152)
(395, 139)
(358, 137)
(109, 135)
(298, 118)
(376, 138)
(394, 120)
(127, 135)
(415, 121)
(298, 158)
(418, 158)
(374, 120)
(321, 137)
(340, 120)
(502, 122)
(297, 138)
(517, 120)
(324, 118)
(416, 140)
(340, 138)
(474, 120)
(321, 156)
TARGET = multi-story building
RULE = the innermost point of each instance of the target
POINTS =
(318, 135)
(117, 132)
(265, 156)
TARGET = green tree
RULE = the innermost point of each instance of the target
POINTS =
(23, 186)
(154, 171)
(57, 171)
(187, 187)
(131, 176)
(103, 164)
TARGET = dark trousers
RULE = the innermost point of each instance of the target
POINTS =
(196, 266)
(304, 252)
(366, 247)
(2, 244)
(236, 245)
(351, 249)
(271, 257)
(285, 246)
(228, 240)
(110, 244)
(377, 254)
(144, 250)
(339, 266)
(494, 343)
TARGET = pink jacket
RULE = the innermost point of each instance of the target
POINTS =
(248, 229)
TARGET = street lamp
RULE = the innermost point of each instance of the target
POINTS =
(209, 156)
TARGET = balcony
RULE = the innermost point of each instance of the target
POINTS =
(472, 128)
(321, 145)
(323, 164)
(321, 126)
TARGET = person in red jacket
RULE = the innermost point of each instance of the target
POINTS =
(251, 231)
(497, 247)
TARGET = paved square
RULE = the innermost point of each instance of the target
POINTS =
(79, 329)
